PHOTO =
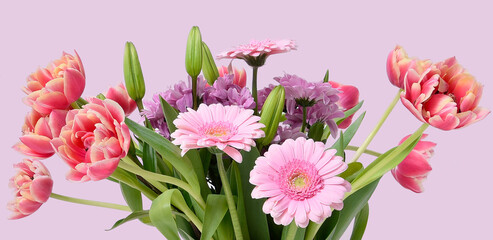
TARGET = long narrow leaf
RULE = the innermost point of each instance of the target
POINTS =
(352, 206)
(132, 216)
(386, 161)
(256, 218)
(168, 151)
(360, 222)
(162, 216)
(350, 132)
(215, 210)
(170, 114)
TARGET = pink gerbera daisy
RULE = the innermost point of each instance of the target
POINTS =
(300, 179)
(256, 52)
(224, 127)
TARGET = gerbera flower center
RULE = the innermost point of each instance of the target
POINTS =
(218, 129)
(299, 180)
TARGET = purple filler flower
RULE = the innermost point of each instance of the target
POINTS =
(319, 112)
(227, 93)
(307, 93)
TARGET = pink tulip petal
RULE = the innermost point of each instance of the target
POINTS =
(75, 83)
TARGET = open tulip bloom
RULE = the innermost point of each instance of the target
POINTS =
(222, 161)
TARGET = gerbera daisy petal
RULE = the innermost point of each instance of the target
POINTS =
(226, 127)
(299, 187)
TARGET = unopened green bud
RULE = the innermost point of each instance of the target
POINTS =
(272, 113)
(209, 67)
(134, 80)
(193, 57)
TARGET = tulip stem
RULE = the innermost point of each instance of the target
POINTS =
(303, 124)
(229, 196)
(90, 202)
(370, 137)
(367, 151)
(254, 89)
(194, 92)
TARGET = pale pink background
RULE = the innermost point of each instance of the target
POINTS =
(352, 39)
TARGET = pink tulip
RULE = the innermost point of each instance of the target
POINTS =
(120, 95)
(414, 169)
(94, 140)
(348, 98)
(56, 86)
(32, 185)
(443, 95)
(398, 64)
(239, 75)
(38, 131)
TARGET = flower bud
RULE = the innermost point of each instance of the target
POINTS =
(193, 57)
(134, 80)
(272, 113)
(208, 65)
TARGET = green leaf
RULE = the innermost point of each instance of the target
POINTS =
(349, 112)
(148, 158)
(386, 161)
(236, 188)
(215, 210)
(300, 233)
(132, 197)
(316, 131)
(360, 222)
(132, 216)
(256, 218)
(168, 151)
(327, 229)
(352, 206)
(350, 132)
(196, 161)
(352, 171)
(161, 214)
(170, 114)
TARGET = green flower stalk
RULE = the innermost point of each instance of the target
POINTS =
(193, 59)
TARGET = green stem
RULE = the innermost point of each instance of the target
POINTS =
(254, 89)
(162, 178)
(367, 151)
(139, 105)
(370, 137)
(312, 230)
(291, 231)
(303, 124)
(229, 197)
(194, 92)
(90, 202)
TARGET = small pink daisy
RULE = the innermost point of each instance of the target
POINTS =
(300, 179)
(256, 52)
(224, 127)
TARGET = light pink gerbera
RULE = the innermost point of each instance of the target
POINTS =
(300, 179)
(256, 52)
(224, 127)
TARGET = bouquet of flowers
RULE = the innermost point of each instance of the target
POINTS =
(220, 160)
